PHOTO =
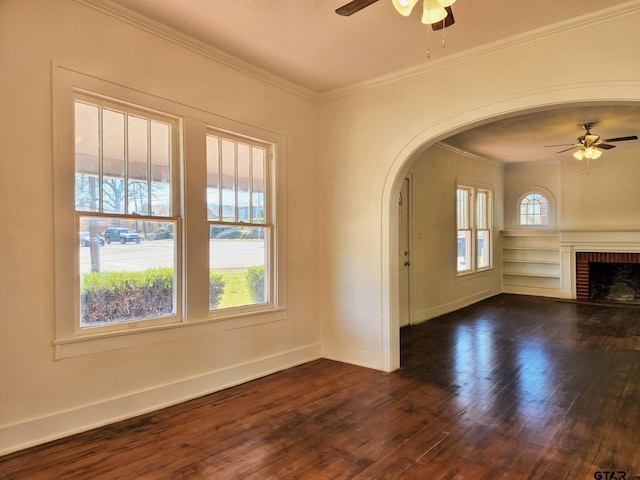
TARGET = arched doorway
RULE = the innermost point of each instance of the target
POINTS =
(535, 100)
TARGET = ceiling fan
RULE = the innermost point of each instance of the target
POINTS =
(590, 144)
(357, 5)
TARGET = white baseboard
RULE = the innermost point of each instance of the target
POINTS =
(352, 356)
(433, 312)
(62, 424)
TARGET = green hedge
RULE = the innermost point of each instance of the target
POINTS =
(255, 281)
(116, 296)
(216, 289)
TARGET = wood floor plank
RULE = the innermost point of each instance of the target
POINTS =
(513, 387)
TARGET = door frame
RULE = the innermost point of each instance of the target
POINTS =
(409, 206)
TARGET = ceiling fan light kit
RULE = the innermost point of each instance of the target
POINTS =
(590, 153)
(436, 13)
(404, 7)
(433, 11)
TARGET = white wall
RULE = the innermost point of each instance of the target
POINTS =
(42, 398)
(604, 196)
(369, 137)
(437, 288)
(607, 197)
(521, 178)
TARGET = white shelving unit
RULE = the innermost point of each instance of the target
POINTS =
(531, 262)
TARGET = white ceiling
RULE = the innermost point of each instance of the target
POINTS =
(524, 138)
(306, 43)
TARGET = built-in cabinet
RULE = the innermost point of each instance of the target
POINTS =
(531, 262)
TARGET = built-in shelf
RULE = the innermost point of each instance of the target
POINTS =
(536, 249)
(551, 262)
(531, 262)
(529, 274)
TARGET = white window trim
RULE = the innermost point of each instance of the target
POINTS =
(269, 224)
(475, 186)
(194, 312)
(83, 96)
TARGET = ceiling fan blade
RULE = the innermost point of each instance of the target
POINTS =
(621, 139)
(560, 145)
(570, 148)
(604, 146)
(447, 22)
(353, 7)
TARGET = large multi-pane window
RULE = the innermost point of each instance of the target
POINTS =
(534, 210)
(125, 213)
(240, 228)
(474, 228)
(138, 251)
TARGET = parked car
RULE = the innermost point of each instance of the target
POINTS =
(85, 239)
(122, 235)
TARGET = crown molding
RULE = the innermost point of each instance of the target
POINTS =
(473, 156)
(164, 32)
(160, 30)
(533, 36)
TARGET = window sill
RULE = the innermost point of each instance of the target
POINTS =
(101, 342)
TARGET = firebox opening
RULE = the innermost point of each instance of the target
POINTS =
(614, 282)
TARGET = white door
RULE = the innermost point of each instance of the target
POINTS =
(404, 258)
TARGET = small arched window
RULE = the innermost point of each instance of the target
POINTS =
(534, 210)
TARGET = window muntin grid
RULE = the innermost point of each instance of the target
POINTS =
(534, 210)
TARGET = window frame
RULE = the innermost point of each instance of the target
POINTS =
(102, 102)
(269, 223)
(464, 225)
(483, 225)
(191, 209)
(551, 209)
(472, 208)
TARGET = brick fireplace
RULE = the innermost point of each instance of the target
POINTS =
(621, 271)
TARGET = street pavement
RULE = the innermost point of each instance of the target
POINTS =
(223, 254)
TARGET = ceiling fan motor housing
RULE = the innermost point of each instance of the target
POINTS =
(588, 138)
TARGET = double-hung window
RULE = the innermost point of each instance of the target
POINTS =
(239, 216)
(126, 214)
(138, 252)
(474, 228)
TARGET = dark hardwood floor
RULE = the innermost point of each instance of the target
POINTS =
(514, 387)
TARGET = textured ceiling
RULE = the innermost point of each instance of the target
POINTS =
(306, 43)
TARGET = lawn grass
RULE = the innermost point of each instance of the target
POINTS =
(236, 288)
